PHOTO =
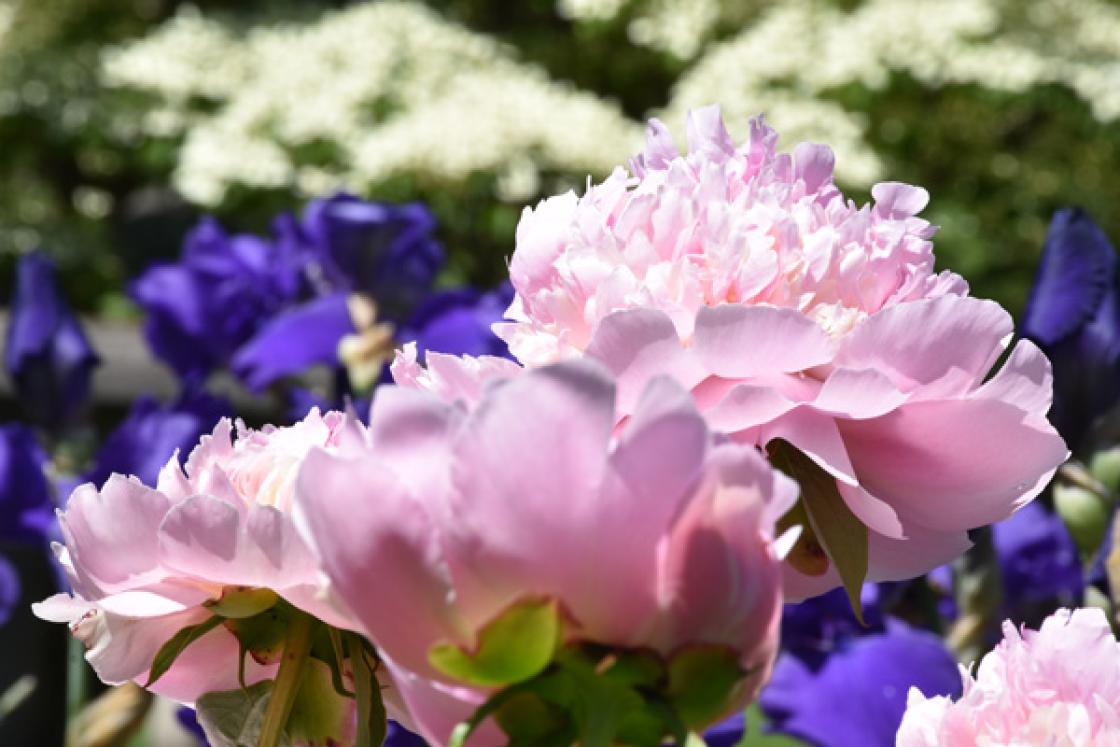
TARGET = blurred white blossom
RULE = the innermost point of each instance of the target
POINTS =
(357, 97)
(786, 63)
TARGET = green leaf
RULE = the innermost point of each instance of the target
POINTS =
(178, 643)
(842, 535)
(319, 715)
(242, 601)
(233, 718)
(807, 555)
(334, 659)
(703, 680)
(528, 719)
(514, 647)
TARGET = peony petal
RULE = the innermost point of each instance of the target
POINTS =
(208, 539)
(745, 341)
(377, 544)
(536, 447)
(635, 346)
(1025, 380)
(746, 406)
(112, 534)
(435, 709)
(923, 549)
(858, 394)
(950, 464)
(950, 339)
(816, 435)
(651, 475)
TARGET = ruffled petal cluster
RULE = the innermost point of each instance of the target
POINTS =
(144, 563)
(791, 313)
(654, 535)
(1054, 686)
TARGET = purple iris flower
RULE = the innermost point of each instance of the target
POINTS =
(189, 721)
(398, 736)
(1073, 314)
(727, 733)
(457, 322)
(26, 507)
(293, 341)
(201, 309)
(10, 589)
(1039, 564)
(837, 683)
(151, 433)
(47, 355)
(385, 251)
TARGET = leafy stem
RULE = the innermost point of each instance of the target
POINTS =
(297, 649)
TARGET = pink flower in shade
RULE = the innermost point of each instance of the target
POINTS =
(791, 313)
(143, 562)
(653, 534)
(1058, 686)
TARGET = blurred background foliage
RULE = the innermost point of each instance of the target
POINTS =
(121, 121)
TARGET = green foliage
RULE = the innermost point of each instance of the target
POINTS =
(515, 646)
(843, 536)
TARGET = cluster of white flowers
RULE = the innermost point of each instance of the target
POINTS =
(388, 88)
(799, 49)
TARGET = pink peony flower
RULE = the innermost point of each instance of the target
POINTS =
(654, 535)
(791, 313)
(143, 563)
(1059, 686)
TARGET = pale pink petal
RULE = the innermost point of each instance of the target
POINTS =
(195, 672)
(954, 464)
(637, 345)
(112, 534)
(745, 341)
(818, 437)
(376, 542)
(208, 539)
(813, 164)
(435, 708)
(917, 344)
(707, 135)
(531, 489)
(898, 200)
(650, 476)
(746, 406)
(1025, 380)
(411, 429)
(858, 394)
(923, 549)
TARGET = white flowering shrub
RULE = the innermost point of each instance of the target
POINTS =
(799, 50)
(385, 88)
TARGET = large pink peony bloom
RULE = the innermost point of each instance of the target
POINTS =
(791, 313)
(652, 535)
(143, 562)
(1059, 685)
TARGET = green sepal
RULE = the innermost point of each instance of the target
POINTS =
(703, 681)
(843, 536)
(262, 636)
(239, 602)
(514, 647)
(807, 555)
(175, 646)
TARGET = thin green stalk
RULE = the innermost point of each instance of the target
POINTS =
(75, 677)
(367, 695)
(297, 648)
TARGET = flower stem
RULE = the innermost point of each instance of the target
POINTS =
(297, 648)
